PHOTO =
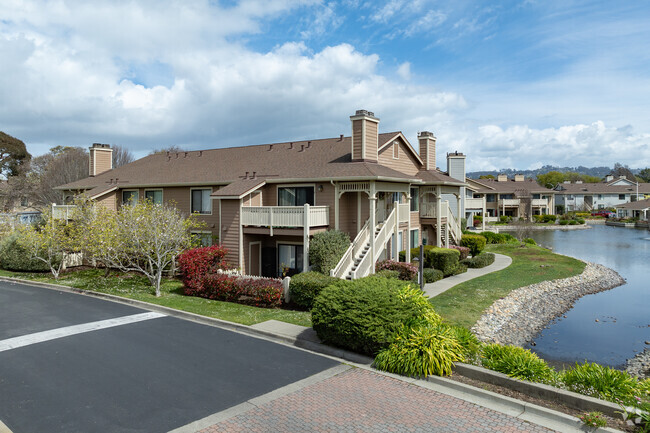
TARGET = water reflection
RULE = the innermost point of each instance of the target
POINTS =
(606, 327)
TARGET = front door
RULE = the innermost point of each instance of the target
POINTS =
(255, 265)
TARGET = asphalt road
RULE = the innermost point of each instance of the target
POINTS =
(147, 376)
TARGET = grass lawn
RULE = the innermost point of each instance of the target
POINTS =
(464, 303)
(137, 287)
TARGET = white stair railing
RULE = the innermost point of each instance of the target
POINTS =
(454, 226)
(345, 264)
(366, 263)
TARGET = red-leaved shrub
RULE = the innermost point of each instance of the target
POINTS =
(259, 292)
(464, 251)
(197, 263)
(407, 271)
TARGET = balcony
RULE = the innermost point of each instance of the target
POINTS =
(285, 216)
(540, 202)
(474, 203)
(513, 202)
(62, 212)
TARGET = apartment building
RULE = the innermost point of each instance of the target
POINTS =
(610, 193)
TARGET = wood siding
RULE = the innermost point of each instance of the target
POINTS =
(357, 138)
(109, 201)
(230, 231)
(406, 163)
(372, 137)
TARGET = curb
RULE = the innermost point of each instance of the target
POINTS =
(526, 411)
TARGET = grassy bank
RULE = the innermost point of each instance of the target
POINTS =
(137, 287)
(464, 303)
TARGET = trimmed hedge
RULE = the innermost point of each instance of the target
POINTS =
(258, 292)
(415, 253)
(407, 271)
(443, 259)
(13, 257)
(475, 243)
(197, 263)
(326, 249)
(498, 238)
(432, 275)
(387, 273)
(480, 261)
(366, 315)
(305, 287)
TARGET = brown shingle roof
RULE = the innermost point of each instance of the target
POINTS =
(435, 176)
(600, 188)
(520, 189)
(239, 188)
(635, 205)
(315, 159)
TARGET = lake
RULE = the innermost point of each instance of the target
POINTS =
(607, 327)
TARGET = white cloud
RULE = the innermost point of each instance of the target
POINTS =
(404, 71)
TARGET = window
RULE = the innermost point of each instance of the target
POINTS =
(415, 197)
(415, 238)
(201, 201)
(507, 196)
(129, 196)
(296, 196)
(203, 239)
(600, 196)
(154, 195)
(490, 198)
(621, 196)
(536, 196)
(289, 259)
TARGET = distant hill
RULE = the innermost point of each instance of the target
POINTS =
(591, 171)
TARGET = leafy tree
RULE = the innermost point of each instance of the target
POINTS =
(13, 155)
(143, 237)
(47, 242)
(486, 176)
(644, 175)
(171, 149)
(550, 179)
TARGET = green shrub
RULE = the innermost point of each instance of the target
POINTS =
(601, 382)
(432, 275)
(422, 351)
(468, 341)
(388, 273)
(464, 251)
(443, 259)
(326, 249)
(549, 218)
(516, 362)
(365, 315)
(415, 253)
(459, 269)
(573, 222)
(505, 219)
(580, 221)
(463, 224)
(14, 257)
(305, 287)
(538, 218)
(498, 238)
(475, 243)
(480, 261)
(564, 222)
(530, 241)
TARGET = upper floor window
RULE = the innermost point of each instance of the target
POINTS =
(507, 196)
(296, 196)
(600, 196)
(489, 198)
(129, 196)
(415, 197)
(536, 196)
(201, 201)
(154, 195)
(621, 196)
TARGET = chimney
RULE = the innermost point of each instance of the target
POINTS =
(427, 143)
(100, 159)
(502, 178)
(609, 178)
(365, 136)
(456, 166)
(519, 177)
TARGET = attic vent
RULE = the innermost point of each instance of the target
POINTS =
(584, 189)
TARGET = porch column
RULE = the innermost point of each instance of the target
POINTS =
(408, 229)
(373, 223)
(439, 217)
(396, 230)
(305, 239)
(336, 206)
(484, 215)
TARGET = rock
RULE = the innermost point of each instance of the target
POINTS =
(647, 342)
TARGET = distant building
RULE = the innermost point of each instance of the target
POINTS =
(609, 193)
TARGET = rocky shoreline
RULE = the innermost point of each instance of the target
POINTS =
(520, 316)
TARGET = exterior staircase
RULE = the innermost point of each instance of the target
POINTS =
(356, 261)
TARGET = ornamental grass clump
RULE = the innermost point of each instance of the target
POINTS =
(517, 362)
(425, 350)
(601, 382)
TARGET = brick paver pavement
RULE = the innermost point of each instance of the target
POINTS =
(359, 400)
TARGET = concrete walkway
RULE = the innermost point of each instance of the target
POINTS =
(434, 289)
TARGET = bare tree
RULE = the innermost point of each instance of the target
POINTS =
(171, 149)
(121, 156)
(60, 166)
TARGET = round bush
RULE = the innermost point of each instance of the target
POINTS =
(432, 275)
(475, 243)
(13, 257)
(530, 241)
(365, 315)
(326, 249)
(480, 261)
(305, 287)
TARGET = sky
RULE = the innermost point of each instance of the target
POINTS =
(512, 84)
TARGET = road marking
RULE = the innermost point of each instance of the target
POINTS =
(39, 337)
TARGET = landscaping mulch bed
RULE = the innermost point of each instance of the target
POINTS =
(611, 422)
